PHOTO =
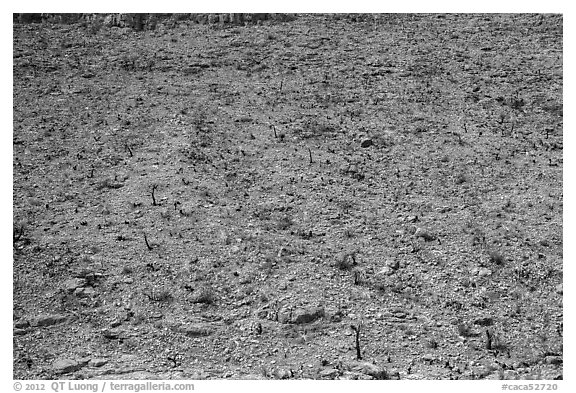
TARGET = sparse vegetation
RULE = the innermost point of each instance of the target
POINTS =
(199, 198)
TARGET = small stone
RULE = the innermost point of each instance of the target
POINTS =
(371, 370)
(116, 322)
(367, 143)
(392, 264)
(428, 358)
(283, 373)
(284, 315)
(111, 334)
(556, 360)
(300, 315)
(72, 284)
(85, 292)
(127, 358)
(194, 330)
(331, 373)
(234, 249)
(19, 332)
(84, 361)
(64, 366)
(394, 374)
(485, 321)
(21, 324)
(424, 234)
(559, 289)
(97, 362)
(47, 320)
(482, 272)
(336, 317)
(385, 271)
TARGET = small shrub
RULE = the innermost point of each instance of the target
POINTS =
(496, 257)
(346, 261)
(205, 295)
(95, 26)
(464, 330)
(127, 270)
(432, 344)
(461, 178)
(284, 223)
(139, 318)
(162, 295)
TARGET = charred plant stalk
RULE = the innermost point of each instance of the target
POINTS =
(17, 234)
(154, 187)
(356, 330)
(310, 152)
(147, 244)
(488, 340)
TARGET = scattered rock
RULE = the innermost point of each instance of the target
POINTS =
(48, 320)
(428, 358)
(116, 322)
(21, 324)
(394, 375)
(127, 358)
(399, 313)
(97, 362)
(19, 332)
(111, 334)
(482, 272)
(480, 371)
(559, 289)
(64, 366)
(350, 375)
(283, 373)
(284, 315)
(84, 361)
(331, 373)
(424, 234)
(130, 375)
(370, 369)
(485, 321)
(262, 313)
(336, 317)
(301, 315)
(510, 374)
(249, 377)
(85, 292)
(367, 143)
(194, 330)
(392, 264)
(385, 271)
(556, 360)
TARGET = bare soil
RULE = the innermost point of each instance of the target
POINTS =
(208, 202)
